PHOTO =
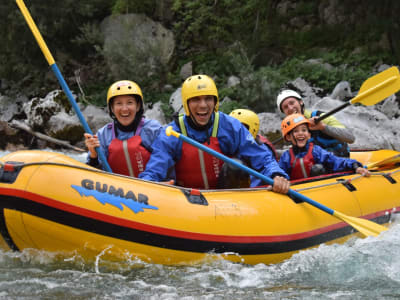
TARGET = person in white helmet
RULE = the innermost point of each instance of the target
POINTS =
(329, 134)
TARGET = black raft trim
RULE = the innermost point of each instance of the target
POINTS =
(170, 242)
(390, 178)
(5, 234)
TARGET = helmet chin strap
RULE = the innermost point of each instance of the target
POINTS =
(294, 139)
(193, 119)
(302, 107)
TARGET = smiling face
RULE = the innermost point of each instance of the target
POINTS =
(291, 105)
(201, 108)
(299, 135)
(124, 108)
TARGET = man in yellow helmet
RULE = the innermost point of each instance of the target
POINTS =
(204, 123)
(126, 142)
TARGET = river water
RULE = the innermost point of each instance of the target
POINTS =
(359, 269)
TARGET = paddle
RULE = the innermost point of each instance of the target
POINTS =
(385, 162)
(51, 62)
(366, 227)
(372, 91)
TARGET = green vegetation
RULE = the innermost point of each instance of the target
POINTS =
(263, 43)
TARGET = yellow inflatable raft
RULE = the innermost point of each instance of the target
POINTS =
(51, 202)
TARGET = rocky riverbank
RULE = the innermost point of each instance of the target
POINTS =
(50, 122)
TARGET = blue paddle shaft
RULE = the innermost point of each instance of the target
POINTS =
(75, 106)
(254, 173)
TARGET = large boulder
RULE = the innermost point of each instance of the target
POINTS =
(135, 47)
(96, 117)
(175, 101)
(40, 110)
(54, 117)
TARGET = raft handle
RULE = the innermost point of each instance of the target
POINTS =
(390, 178)
(347, 184)
(9, 171)
(194, 196)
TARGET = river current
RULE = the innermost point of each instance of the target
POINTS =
(366, 268)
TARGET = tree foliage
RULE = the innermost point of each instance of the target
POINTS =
(264, 43)
(61, 24)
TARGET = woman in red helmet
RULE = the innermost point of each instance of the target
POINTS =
(126, 141)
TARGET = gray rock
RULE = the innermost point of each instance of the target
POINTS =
(96, 117)
(40, 110)
(156, 113)
(64, 127)
(175, 101)
(319, 62)
(8, 108)
(342, 91)
(186, 70)
(389, 107)
(233, 81)
(270, 123)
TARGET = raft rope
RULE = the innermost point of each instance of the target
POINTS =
(11, 167)
(346, 181)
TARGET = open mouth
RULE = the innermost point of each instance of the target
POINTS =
(125, 116)
(301, 140)
(202, 116)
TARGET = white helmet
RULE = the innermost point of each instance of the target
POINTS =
(284, 95)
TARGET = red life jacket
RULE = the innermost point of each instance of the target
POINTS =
(301, 167)
(196, 168)
(267, 143)
(128, 157)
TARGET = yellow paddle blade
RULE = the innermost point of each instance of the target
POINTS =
(366, 227)
(378, 87)
(385, 162)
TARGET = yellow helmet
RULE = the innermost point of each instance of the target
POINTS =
(291, 122)
(198, 85)
(248, 118)
(124, 87)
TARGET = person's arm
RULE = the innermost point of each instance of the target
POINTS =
(342, 134)
(102, 139)
(166, 151)
(284, 162)
(333, 162)
(236, 140)
(149, 133)
(332, 127)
